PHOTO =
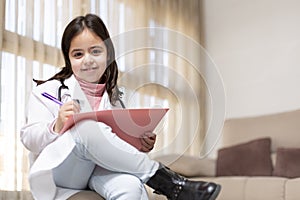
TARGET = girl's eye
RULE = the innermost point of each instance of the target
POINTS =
(96, 52)
(77, 54)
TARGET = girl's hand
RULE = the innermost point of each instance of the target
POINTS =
(148, 142)
(67, 109)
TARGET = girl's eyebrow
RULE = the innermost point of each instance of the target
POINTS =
(92, 47)
(96, 46)
(76, 50)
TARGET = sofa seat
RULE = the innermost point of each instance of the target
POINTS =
(256, 188)
(252, 188)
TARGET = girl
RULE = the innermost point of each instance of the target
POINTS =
(89, 155)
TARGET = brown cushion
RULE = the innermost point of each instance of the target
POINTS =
(287, 162)
(252, 158)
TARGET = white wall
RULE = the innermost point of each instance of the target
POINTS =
(256, 46)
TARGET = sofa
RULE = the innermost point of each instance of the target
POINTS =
(273, 177)
(257, 158)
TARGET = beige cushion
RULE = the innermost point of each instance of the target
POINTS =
(251, 188)
(292, 189)
(262, 188)
(86, 195)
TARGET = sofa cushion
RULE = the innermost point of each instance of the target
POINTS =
(86, 195)
(252, 188)
(287, 162)
(252, 158)
(292, 189)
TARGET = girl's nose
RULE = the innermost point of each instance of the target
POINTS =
(88, 60)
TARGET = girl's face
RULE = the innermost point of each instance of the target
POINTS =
(88, 56)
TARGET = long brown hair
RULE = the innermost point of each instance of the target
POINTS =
(96, 25)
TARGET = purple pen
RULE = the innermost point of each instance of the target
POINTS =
(52, 98)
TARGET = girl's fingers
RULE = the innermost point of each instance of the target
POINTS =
(148, 141)
(150, 135)
(68, 109)
(145, 147)
(70, 106)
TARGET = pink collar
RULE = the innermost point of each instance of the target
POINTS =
(91, 89)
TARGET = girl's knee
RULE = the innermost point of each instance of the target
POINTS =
(121, 187)
(87, 131)
(133, 185)
(132, 188)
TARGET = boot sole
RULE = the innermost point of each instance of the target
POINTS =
(216, 193)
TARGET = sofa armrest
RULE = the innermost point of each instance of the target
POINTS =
(189, 166)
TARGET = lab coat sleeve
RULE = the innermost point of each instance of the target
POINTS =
(37, 134)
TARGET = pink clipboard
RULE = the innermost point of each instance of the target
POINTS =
(128, 124)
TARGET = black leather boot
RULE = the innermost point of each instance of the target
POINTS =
(176, 187)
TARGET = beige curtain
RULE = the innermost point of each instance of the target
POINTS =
(150, 40)
(29, 42)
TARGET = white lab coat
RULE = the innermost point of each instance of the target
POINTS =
(48, 150)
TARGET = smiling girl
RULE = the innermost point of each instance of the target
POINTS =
(89, 156)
